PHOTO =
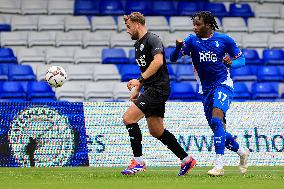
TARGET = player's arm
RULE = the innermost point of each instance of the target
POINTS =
(157, 51)
(176, 54)
(238, 62)
(181, 49)
(154, 66)
(238, 59)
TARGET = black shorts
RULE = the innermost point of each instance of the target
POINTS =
(152, 102)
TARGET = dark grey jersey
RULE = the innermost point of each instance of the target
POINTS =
(145, 50)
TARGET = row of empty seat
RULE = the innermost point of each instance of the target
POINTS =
(170, 8)
(124, 72)
(37, 6)
(26, 91)
(116, 7)
(116, 56)
(105, 39)
(154, 23)
(57, 39)
(117, 91)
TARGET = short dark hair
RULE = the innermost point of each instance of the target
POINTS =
(135, 17)
(208, 18)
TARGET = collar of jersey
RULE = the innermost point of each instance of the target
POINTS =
(143, 37)
(211, 35)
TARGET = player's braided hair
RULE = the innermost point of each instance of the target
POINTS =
(208, 18)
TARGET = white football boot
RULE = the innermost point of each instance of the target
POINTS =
(244, 162)
(216, 172)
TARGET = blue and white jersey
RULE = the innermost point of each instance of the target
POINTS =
(207, 57)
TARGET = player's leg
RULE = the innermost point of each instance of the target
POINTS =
(156, 129)
(233, 145)
(208, 104)
(219, 142)
(221, 102)
(130, 119)
(243, 152)
(215, 104)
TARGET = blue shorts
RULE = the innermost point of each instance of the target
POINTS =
(219, 97)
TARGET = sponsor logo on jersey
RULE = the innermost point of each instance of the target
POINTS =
(142, 103)
(141, 47)
(217, 44)
(141, 61)
(207, 57)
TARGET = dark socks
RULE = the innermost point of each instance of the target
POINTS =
(170, 141)
(135, 139)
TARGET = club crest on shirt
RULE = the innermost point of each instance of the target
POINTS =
(141, 47)
(217, 44)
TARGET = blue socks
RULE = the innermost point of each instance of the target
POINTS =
(230, 143)
(222, 139)
(219, 135)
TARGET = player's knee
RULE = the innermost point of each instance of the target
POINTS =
(155, 133)
(127, 119)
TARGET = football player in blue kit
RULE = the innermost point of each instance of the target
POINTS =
(212, 54)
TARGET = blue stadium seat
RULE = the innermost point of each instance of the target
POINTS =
(132, 59)
(145, 7)
(182, 91)
(114, 56)
(184, 72)
(21, 73)
(111, 7)
(164, 8)
(240, 10)
(168, 52)
(252, 57)
(171, 72)
(185, 8)
(7, 56)
(4, 72)
(185, 60)
(40, 90)
(5, 27)
(12, 90)
(265, 90)
(241, 91)
(218, 9)
(269, 73)
(86, 7)
(273, 56)
(128, 71)
(245, 73)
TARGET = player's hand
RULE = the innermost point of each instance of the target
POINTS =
(179, 42)
(227, 60)
(133, 83)
(134, 94)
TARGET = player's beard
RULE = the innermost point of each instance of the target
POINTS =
(135, 35)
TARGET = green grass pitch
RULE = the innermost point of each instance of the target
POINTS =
(155, 177)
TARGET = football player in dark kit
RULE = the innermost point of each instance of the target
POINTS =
(150, 57)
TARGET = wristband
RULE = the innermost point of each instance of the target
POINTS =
(141, 79)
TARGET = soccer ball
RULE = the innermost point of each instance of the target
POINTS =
(56, 76)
